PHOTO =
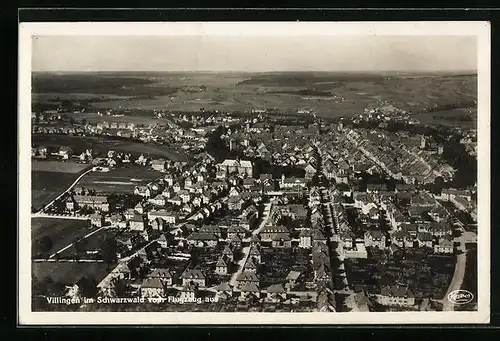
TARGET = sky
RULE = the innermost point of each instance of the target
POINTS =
(254, 53)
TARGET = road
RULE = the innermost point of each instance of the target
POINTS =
(66, 191)
(70, 245)
(458, 274)
(246, 250)
(56, 216)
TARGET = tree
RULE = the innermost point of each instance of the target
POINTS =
(109, 248)
(121, 288)
(87, 287)
(45, 244)
(80, 245)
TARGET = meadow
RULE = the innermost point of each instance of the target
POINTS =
(61, 232)
(51, 178)
(119, 180)
(69, 273)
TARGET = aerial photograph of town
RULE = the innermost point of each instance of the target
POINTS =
(171, 174)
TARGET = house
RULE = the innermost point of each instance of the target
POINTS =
(235, 242)
(94, 201)
(227, 254)
(169, 179)
(444, 245)
(440, 229)
(117, 220)
(424, 239)
(176, 187)
(96, 219)
(184, 195)
(224, 291)
(221, 267)
(292, 279)
(254, 254)
(129, 213)
(242, 167)
(235, 203)
(143, 191)
(139, 208)
(176, 200)
(189, 292)
(158, 165)
(162, 241)
(292, 183)
(246, 278)
(194, 276)
(310, 171)
(213, 229)
(281, 241)
(164, 275)
(305, 239)
(250, 266)
(318, 237)
(233, 231)
(137, 223)
(249, 290)
(398, 238)
(202, 239)
(374, 238)
(276, 293)
(396, 295)
(268, 233)
(152, 287)
(158, 200)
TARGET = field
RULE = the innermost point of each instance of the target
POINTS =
(51, 178)
(331, 94)
(119, 180)
(61, 232)
(69, 273)
(101, 145)
(57, 166)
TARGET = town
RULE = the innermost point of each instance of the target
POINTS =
(253, 211)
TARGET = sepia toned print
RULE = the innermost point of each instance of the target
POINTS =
(275, 174)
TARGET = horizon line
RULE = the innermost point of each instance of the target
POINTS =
(474, 71)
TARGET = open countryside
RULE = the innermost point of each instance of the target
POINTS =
(330, 94)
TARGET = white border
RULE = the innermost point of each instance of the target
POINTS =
(27, 30)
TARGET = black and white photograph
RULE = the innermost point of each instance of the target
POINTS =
(253, 173)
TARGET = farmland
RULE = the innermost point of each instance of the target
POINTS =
(101, 145)
(46, 185)
(60, 231)
(57, 166)
(118, 180)
(332, 94)
(69, 273)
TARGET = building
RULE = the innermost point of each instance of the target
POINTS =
(396, 296)
(375, 238)
(96, 202)
(96, 219)
(221, 267)
(240, 167)
(193, 276)
(273, 232)
(152, 287)
(164, 275)
(137, 223)
(444, 245)
(305, 239)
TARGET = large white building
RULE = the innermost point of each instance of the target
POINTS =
(241, 167)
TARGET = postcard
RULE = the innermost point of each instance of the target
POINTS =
(236, 173)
